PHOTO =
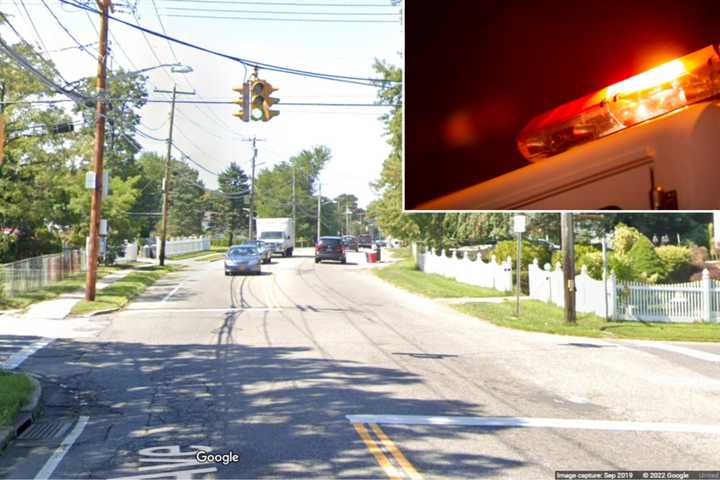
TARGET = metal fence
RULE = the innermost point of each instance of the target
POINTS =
(36, 272)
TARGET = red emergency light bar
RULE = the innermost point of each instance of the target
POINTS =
(673, 85)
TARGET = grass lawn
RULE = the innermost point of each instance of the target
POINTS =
(186, 256)
(15, 391)
(122, 291)
(212, 258)
(69, 285)
(404, 274)
(537, 316)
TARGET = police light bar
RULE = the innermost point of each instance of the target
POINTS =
(671, 86)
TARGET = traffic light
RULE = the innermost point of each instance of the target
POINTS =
(243, 102)
(257, 99)
(261, 101)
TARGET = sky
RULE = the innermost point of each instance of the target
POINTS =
(210, 134)
(489, 67)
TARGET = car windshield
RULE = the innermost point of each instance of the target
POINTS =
(241, 252)
(329, 241)
(271, 235)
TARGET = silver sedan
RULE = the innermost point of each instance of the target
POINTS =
(242, 259)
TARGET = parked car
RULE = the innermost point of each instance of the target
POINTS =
(365, 240)
(330, 248)
(380, 243)
(263, 249)
(350, 242)
(242, 259)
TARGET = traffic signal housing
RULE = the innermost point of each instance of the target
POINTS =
(244, 102)
(261, 101)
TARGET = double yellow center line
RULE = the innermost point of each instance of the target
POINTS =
(406, 469)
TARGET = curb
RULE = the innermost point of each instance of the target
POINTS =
(25, 417)
(101, 312)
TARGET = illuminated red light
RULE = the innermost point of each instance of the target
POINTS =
(660, 90)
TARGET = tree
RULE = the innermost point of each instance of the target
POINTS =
(187, 201)
(38, 164)
(273, 190)
(234, 188)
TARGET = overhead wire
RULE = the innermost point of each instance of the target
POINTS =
(371, 82)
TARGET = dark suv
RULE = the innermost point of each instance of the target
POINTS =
(330, 248)
(350, 242)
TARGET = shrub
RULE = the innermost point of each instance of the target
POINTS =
(530, 251)
(713, 270)
(677, 262)
(624, 238)
(646, 263)
(622, 267)
(581, 250)
(594, 263)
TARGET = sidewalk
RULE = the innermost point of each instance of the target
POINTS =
(59, 308)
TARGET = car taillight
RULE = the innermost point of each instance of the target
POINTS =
(317, 247)
(673, 85)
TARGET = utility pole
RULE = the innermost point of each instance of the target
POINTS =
(252, 192)
(100, 109)
(347, 219)
(568, 249)
(318, 212)
(293, 197)
(166, 183)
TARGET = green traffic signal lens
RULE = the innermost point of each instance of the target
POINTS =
(257, 114)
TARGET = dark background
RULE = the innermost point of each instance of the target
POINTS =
(478, 71)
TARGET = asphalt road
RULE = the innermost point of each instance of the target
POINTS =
(324, 371)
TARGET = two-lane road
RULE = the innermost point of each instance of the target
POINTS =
(323, 370)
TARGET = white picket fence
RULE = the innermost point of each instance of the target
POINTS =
(179, 246)
(474, 272)
(681, 303)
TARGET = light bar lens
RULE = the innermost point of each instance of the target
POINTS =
(673, 85)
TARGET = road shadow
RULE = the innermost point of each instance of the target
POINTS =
(281, 408)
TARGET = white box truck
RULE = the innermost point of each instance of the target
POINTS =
(279, 233)
(651, 142)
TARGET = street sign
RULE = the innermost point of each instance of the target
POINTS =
(103, 227)
(519, 223)
(90, 180)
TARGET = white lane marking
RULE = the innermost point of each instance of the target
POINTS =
(699, 354)
(60, 451)
(202, 310)
(171, 458)
(19, 357)
(521, 422)
(175, 474)
(171, 293)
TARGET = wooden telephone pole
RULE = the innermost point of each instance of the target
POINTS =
(100, 110)
(568, 249)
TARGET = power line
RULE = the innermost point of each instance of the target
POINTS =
(275, 12)
(292, 71)
(294, 4)
(268, 19)
(80, 45)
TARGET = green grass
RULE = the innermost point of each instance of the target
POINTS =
(69, 285)
(212, 258)
(15, 391)
(404, 274)
(118, 294)
(536, 316)
(186, 256)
